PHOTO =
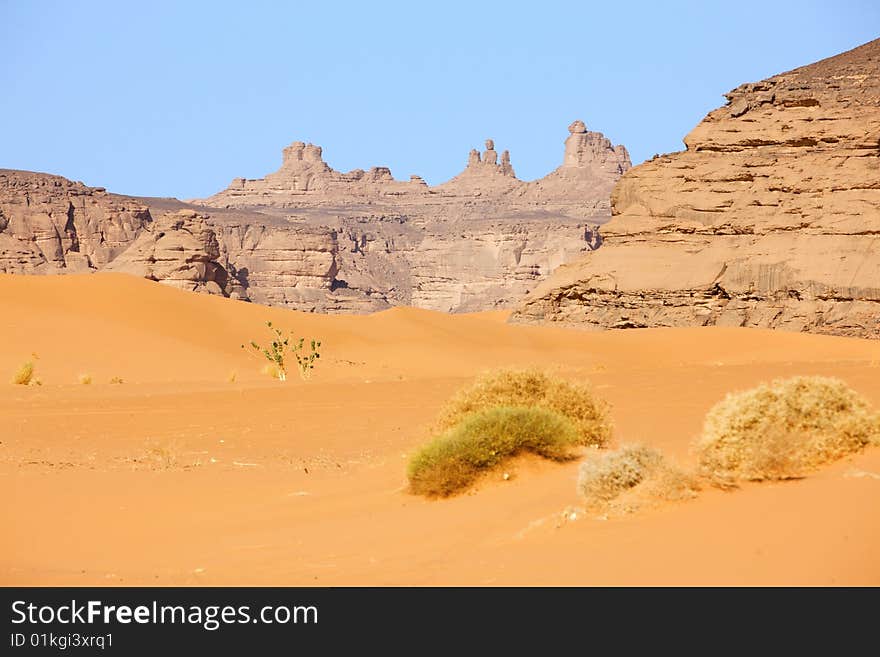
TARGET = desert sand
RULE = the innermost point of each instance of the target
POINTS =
(181, 475)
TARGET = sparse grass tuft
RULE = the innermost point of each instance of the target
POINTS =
(116, 380)
(533, 388)
(24, 375)
(232, 377)
(85, 379)
(484, 439)
(783, 430)
(606, 476)
(162, 456)
(273, 371)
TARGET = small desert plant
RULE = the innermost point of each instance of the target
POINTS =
(275, 353)
(232, 377)
(85, 379)
(604, 477)
(533, 388)
(116, 380)
(484, 439)
(784, 429)
(305, 361)
(25, 374)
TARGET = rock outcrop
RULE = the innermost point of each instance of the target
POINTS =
(770, 218)
(579, 187)
(179, 249)
(479, 241)
(49, 224)
(312, 238)
(305, 175)
(484, 174)
(454, 266)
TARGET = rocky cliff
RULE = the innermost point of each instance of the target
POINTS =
(579, 187)
(179, 249)
(770, 218)
(49, 224)
(479, 241)
(312, 238)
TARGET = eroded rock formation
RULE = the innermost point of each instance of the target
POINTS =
(480, 240)
(312, 238)
(178, 249)
(49, 224)
(770, 218)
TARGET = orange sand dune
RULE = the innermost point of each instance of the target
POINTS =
(180, 476)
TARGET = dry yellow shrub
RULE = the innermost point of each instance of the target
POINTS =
(784, 429)
(533, 388)
(606, 476)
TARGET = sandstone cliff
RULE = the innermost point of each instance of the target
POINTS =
(312, 238)
(179, 249)
(770, 218)
(49, 224)
(479, 241)
(579, 187)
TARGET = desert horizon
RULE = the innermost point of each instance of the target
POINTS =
(390, 325)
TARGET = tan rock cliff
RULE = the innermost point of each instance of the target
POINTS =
(770, 218)
(49, 224)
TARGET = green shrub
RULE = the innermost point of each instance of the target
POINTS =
(276, 354)
(784, 429)
(305, 360)
(483, 440)
(533, 388)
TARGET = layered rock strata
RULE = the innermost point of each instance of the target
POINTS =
(769, 218)
(479, 241)
(49, 224)
(312, 238)
(179, 249)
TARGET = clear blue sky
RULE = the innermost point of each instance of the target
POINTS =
(177, 98)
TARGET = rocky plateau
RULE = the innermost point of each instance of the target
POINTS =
(769, 218)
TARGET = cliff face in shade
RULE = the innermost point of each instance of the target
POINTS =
(770, 218)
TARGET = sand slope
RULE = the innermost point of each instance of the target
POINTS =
(180, 476)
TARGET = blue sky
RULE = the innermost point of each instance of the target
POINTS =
(178, 98)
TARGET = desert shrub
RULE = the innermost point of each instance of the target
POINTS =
(484, 439)
(25, 374)
(605, 476)
(276, 353)
(85, 379)
(784, 429)
(305, 360)
(116, 380)
(670, 483)
(533, 388)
